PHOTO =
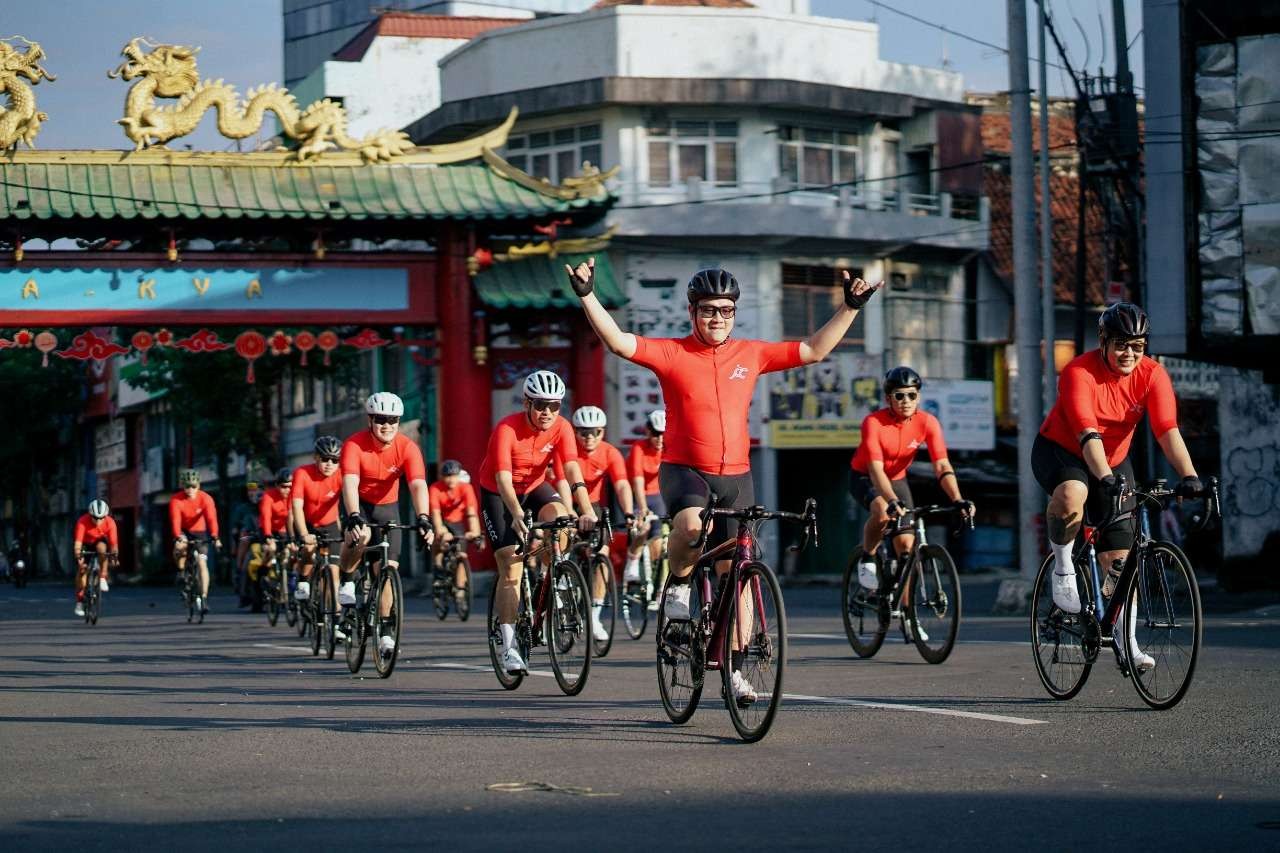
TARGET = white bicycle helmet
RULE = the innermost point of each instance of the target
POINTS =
(99, 509)
(544, 385)
(657, 420)
(589, 417)
(384, 403)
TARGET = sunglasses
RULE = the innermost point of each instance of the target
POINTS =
(333, 459)
(587, 433)
(545, 405)
(1138, 347)
(903, 396)
(384, 419)
(706, 312)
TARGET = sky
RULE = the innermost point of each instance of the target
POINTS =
(241, 43)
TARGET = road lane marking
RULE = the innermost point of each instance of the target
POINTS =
(285, 648)
(471, 667)
(921, 709)
(794, 636)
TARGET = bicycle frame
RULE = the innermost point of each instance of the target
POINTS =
(743, 547)
(917, 530)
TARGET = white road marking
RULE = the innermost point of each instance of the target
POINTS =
(795, 636)
(471, 667)
(284, 648)
(922, 709)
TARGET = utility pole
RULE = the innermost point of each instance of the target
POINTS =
(1047, 291)
(1026, 302)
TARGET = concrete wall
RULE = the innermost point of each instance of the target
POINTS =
(636, 41)
(1249, 427)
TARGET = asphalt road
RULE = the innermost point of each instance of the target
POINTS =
(145, 732)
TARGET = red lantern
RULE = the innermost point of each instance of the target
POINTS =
(280, 343)
(327, 341)
(305, 342)
(46, 342)
(22, 339)
(143, 341)
(250, 346)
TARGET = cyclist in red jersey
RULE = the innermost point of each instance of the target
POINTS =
(707, 382)
(95, 529)
(513, 479)
(642, 466)
(274, 510)
(373, 461)
(314, 502)
(1083, 445)
(192, 512)
(453, 504)
(603, 471)
(890, 439)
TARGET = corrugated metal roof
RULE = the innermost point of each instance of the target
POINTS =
(105, 185)
(539, 282)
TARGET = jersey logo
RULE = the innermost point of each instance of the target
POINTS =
(393, 469)
(329, 494)
(547, 448)
(739, 372)
(914, 444)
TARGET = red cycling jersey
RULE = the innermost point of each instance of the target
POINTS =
(273, 510)
(318, 494)
(91, 531)
(517, 447)
(604, 460)
(643, 461)
(707, 391)
(379, 466)
(893, 441)
(192, 515)
(454, 504)
(1091, 396)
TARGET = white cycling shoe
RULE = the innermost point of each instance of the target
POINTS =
(79, 608)
(347, 594)
(868, 577)
(102, 585)
(303, 592)
(386, 645)
(677, 606)
(743, 692)
(513, 663)
(598, 631)
(1065, 595)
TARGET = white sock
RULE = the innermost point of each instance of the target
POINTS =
(1062, 558)
(633, 565)
(596, 607)
(645, 560)
(508, 635)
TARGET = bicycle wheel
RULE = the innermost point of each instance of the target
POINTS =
(189, 594)
(90, 601)
(758, 650)
(569, 627)
(328, 622)
(865, 613)
(272, 596)
(289, 605)
(354, 622)
(1164, 616)
(462, 603)
(682, 656)
(506, 679)
(389, 627)
(315, 607)
(933, 608)
(1059, 640)
(601, 570)
(633, 607)
(440, 588)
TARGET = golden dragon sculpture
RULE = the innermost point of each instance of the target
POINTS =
(169, 71)
(20, 121)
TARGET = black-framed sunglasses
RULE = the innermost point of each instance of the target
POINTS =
(587, 433)
(334, 459)
(706, 312)
(904, 396)
(384, 419)
(1138, 346)
(545, 405)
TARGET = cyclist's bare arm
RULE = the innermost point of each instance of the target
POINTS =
(820, 344)
(473, 526)
(507, 492)
(573, 471)
(623, 489)
(297, 524)
(879, 479)
(421, 497)
(637, 491)
(1094, 456)
(947, 478)
(351, 493)
(437, 521)
(620, 343)
(1175, 450)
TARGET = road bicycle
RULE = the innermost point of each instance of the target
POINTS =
(444, 587)
(922, 589)
(1155, 604)
(637, 599)
(92, 590)
(361, 622)
(276, 584)
(189, 580)
(320, 611)
(553, 609)
(738, 623)
(597, 569)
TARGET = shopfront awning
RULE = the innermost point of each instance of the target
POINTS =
(539, 282)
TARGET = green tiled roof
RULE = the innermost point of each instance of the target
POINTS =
(539, 282)
(175, 186)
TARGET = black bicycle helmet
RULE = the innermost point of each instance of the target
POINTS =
(713, 284)
(284, 475)
(450, 468)
(1124, 321)
(328, 445)
(901, 377)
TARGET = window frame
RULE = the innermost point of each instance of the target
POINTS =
(670, 136)
(794, 138)
(587, 139)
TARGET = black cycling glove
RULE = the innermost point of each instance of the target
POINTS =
(1190, 487)
(896, 508)
(580, 286)
(424, 525)
(856, 300)
(1110, 486)
(352, 521)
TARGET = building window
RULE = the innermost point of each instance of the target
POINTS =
(818, 157)
(706, 150)
(810, 295)
(556, 154)
(302, 393)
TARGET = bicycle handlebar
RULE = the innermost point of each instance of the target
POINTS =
(809, 518)
(1158, 492)
(560, 522)
(962, 508)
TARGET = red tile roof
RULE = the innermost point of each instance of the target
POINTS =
(996, 133)
(417, 25)
(712, 4)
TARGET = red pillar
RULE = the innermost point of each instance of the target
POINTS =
(465, 397)
(588, 364)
